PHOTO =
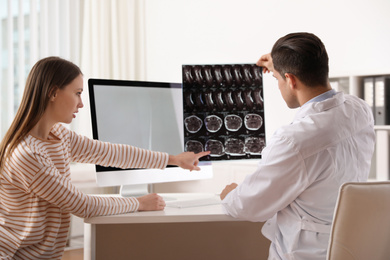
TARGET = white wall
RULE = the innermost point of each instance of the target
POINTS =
(355, 32)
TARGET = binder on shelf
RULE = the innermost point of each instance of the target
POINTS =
(377, 96)
(381, 101)
(369, 92)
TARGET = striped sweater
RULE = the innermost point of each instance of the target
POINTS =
(37, 196)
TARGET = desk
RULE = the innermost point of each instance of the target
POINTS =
(198, 233)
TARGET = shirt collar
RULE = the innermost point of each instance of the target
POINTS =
(322, 97)
(316, 107)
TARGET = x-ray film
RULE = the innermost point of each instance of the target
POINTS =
(224, 110)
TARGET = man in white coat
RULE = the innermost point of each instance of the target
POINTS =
(330, 142)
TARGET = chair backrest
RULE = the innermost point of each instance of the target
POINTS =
(361, 225)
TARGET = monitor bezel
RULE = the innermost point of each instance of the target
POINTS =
(125, 83)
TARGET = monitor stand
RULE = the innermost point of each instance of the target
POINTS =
(134, 190)
(138, 190)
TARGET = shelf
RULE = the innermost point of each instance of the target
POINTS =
(382, 127)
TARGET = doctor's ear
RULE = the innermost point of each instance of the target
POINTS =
(291, 80)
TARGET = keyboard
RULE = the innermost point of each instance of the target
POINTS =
(194, 202)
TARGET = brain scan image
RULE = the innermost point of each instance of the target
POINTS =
(235, 146)
(257, 78)
(247, 75)
(253, 122)
(223, 110)
(233, 122)
(209, 100)
(199, 100)
(198, 76)
(213, 123)
(217, 95)
(258, 99)
(228, 99)
(208, 76)
(215, 147)
(193, 124)
(239, 103)
(227, 73)
(217, 73)
(254, 145)
(187, 75)
(237, 75)
(188, 100)
(248, 99)
(194, 146)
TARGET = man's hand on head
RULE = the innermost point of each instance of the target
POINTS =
(266, 63)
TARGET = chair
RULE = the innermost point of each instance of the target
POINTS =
(361, 225)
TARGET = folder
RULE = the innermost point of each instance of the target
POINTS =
(381, 100)
(369, 93)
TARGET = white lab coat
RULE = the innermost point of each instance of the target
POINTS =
(296, 184)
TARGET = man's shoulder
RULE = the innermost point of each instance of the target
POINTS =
(356, 100)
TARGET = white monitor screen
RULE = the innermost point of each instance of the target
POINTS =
(148, 115)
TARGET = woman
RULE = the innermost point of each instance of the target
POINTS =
(37, 196)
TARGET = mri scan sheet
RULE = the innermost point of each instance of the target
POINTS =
(224, 110)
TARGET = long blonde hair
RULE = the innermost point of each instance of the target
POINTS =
(45, 77)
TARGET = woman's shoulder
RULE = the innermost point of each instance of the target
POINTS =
(28, 153)
(60, 132)
(39, 147)
(59, 129)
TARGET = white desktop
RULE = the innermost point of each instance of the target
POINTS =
(148, 115)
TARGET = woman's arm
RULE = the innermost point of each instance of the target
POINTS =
(86, 150)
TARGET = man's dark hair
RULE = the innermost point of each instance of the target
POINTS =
(303, 55)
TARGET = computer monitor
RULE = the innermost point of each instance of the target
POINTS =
(144, 114)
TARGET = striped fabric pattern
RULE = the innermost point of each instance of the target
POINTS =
(37, 196)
